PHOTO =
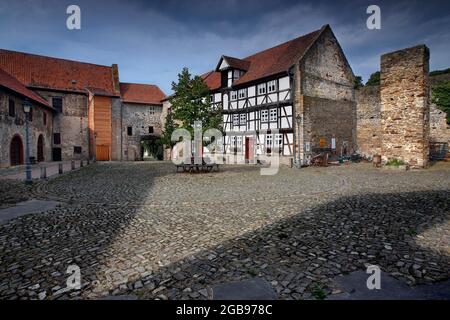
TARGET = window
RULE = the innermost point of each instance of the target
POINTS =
(235, 119)
(152, 110)
(273, 115)
(242, 93)
(233, 95)
(243, 119)
(77, 150)
(44, 118)
(239, 142)
(57, 103)
(233, 141)
(30, 115)
(150, 130)
(278, 140)
(272, 86)
(269, 141)
(130, 131)
(57, 138)
(12, 108)
(261, 88)
(230, 78)
(264, 115)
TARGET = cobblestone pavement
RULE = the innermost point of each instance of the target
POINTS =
(140, 228)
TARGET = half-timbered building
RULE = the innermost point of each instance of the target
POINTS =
(295, 98)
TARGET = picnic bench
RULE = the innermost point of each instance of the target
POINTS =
(193, 167)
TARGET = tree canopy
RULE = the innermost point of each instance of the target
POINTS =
(192, 102)
(374, 79)
(441, 97)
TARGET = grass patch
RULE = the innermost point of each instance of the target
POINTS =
(395, 163)
(319, 292)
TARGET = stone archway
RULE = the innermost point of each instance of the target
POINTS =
(16, 151)
(40, 149)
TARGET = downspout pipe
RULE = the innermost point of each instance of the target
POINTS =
(294, 120)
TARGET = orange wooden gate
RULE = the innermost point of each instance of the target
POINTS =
(102, 153)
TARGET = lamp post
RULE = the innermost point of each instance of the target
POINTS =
(26, 109)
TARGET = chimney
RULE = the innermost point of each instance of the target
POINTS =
(115, 74)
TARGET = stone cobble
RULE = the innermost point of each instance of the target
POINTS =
(141, 228)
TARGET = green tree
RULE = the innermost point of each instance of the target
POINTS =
(358, 82)
(374, 79)
(441, 97)
(169, 128)
(191, 102)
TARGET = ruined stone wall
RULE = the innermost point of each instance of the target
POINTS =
(439, 129)
(9, 127)
(405, 106)
(140, 118)
(368, 121)
(72, 124)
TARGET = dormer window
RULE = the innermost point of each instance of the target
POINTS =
(231, 69)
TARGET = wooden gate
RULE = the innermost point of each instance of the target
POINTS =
(102, 153)
(249, 150)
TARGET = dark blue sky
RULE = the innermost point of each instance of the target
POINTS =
(153, 40)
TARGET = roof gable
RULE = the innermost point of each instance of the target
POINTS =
(141, 93)
(57, 74)
(266, 63)
(11, 83)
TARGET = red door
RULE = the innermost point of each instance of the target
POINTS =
(248, 149)
(16, 151)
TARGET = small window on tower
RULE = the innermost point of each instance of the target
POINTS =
(44, 118)
(57, 103)
(30, 115)
(12, 108)
(56, 138)
(77, 150)
(150, 129)
(130, 131)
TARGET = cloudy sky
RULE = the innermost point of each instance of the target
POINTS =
(153, 40)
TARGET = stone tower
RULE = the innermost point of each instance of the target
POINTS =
(405, 107)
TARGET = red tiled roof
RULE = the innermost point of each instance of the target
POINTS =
(141, 93)
(268, 62)
(11, 83)
(57, 74)
(212, 79)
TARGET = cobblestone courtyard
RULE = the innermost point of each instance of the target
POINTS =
(142, 229)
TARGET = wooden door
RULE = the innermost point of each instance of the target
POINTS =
(40, 149)
(102, 153)
(16, 151)
(248, 149)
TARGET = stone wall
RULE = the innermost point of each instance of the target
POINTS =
(326, 120)
(405, 106)
(368, 121)
(72, 123)
(439, 129)
(9, 127)
(324, 97)
(140, 118)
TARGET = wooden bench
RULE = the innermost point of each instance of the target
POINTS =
(204, 167)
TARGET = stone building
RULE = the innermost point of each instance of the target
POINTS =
(87, 101)
(142, 121)
(12, 123)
